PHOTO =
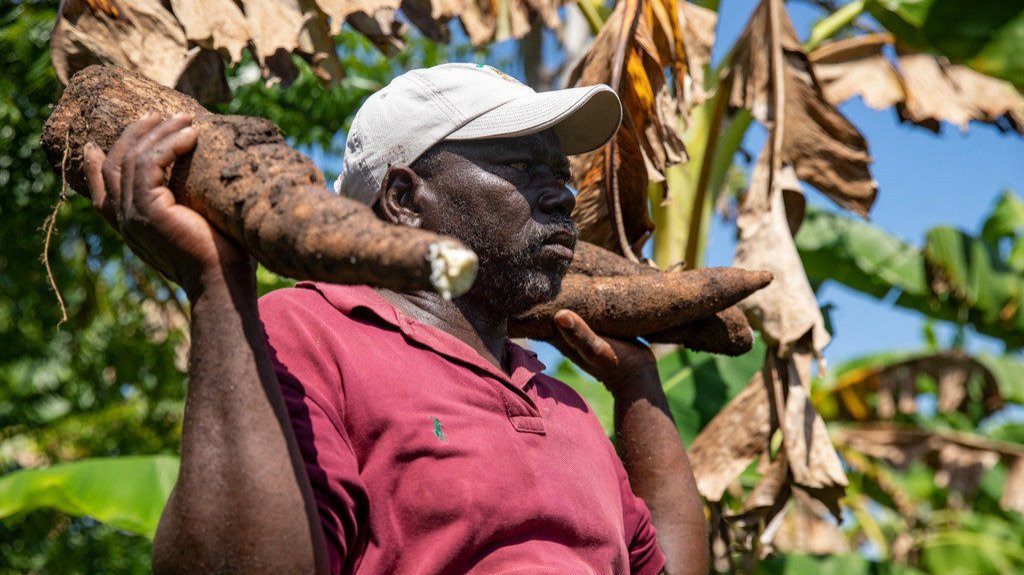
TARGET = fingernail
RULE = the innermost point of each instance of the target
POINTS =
(565, 320)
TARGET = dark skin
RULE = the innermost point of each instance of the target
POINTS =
(240, 461)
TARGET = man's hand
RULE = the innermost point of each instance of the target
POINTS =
(648, 442)
(617, 363)
(128, 187)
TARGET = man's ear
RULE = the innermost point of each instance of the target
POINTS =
(399, 199)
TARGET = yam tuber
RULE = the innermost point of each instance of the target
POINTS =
(724, 331)
(253, 187)
(727, 332)
(629, 306)
(595, 261)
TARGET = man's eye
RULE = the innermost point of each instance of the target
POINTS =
(519, 166)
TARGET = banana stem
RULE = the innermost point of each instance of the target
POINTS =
(830, 25)
(590, 12)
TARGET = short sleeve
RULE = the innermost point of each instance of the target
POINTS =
(645, 557)
(313, 394)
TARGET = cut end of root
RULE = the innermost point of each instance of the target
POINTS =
(452, 268)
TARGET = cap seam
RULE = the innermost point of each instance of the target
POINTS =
(450, 111)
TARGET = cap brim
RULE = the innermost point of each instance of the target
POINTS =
(583, 118)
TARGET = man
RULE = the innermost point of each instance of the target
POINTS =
(362, 430)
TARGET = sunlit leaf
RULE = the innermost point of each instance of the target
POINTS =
(126, 492)
(967, 272)
(924, 89)
(638, 42)
(184, 43)
(985, 34)
(771, 76)
(698, 385)
(959, 552)
(786, 310)
(1006, 219)
(859, 255)
(957, 277)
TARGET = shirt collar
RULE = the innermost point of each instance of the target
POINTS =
(523, 363)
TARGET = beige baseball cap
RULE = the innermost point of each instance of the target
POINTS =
(420, 108)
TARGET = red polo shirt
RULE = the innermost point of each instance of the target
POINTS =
(425, 458)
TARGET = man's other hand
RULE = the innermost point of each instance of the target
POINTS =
(617, 363)
(128, 187)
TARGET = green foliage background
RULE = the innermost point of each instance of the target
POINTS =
(110, 381)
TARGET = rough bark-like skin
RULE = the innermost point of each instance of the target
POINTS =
(629, 306)
(248, 182)
(726, 332)
(593, 260)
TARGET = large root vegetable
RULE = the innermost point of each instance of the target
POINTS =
(253, 187)
(630, 306)
(726, 332)
(722, 330)
(595, 261)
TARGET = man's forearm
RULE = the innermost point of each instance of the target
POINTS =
(659, 472)
(243, 501)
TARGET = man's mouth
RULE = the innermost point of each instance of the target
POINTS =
(560, 244)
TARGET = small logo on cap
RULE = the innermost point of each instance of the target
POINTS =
(501, 74)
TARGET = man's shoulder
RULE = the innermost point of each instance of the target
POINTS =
(310, 309)
(315, 298)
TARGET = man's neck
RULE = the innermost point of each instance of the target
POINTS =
(477, 325)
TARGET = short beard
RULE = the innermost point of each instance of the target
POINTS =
(510, 281)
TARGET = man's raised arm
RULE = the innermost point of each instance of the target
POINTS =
(243, 501)
(648, 442)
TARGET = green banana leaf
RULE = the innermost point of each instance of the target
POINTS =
(1006, 219)
(846, 564)
(987, 35)
(128, 493)
(956, 277)
(1005, 225)
(696, 384)
(859, 255)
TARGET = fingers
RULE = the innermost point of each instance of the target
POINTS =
(581, 338)
(114, 159)
(157, 151)
(144, 139)
(94, 158)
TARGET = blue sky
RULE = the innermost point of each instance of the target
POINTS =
(924, 180)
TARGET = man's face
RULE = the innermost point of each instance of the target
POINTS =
(508, 200)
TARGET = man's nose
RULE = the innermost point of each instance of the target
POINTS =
(557, 198)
